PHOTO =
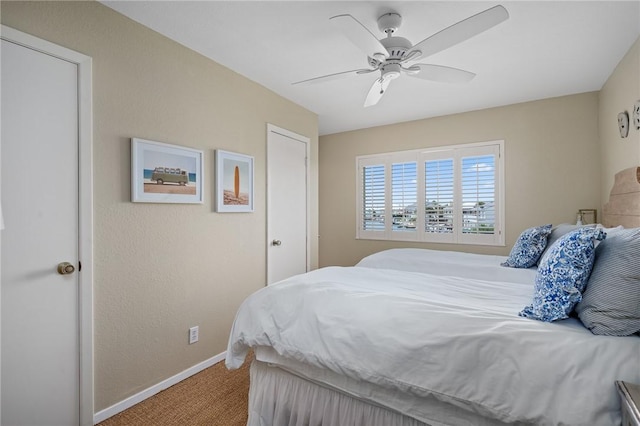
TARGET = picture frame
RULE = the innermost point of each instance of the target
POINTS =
(588, 216)
(165, 173)
(234, 182)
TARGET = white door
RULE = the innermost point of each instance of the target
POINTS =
(287, 205)
(40, 304)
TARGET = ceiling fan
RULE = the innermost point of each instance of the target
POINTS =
(391, 56)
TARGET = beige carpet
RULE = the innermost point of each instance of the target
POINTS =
(215, 396)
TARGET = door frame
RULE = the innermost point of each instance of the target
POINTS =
(273, 129)
(85, 205)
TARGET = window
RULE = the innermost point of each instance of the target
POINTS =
(447, 194)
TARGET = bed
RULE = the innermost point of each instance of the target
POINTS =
(426, 337)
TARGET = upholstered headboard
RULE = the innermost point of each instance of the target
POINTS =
(623, 207)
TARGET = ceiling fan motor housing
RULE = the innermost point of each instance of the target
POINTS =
(397, 48)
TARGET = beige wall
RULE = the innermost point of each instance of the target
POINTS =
(146, 296)
(552, 168)
(161, 268)
(619, 93)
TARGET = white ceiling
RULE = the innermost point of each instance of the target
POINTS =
(545, 49)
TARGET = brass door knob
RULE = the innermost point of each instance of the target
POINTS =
(66, 268)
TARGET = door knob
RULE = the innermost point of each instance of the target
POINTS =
(65, 268)
(276, 242)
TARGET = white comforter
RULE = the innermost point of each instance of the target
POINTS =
(450, 335)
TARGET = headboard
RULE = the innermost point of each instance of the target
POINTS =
(623, 207)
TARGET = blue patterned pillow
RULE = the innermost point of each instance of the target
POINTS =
(562, 275)
(528, 247)
(557, 232)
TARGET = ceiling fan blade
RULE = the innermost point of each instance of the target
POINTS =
(440, 73)
(331, 77)
(378, 88)
(462, 31)
(360, 36)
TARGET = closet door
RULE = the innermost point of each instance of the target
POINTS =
(287, 204)
(40, 279)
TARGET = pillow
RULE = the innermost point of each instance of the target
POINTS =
(611, 302)
(559, 231)
(528, 247)
(607, 230)
(562, 275)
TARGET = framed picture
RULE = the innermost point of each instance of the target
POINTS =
(163, 173)
(234, 182)
(588, 216)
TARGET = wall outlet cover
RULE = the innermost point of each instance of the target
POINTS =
(194, 334)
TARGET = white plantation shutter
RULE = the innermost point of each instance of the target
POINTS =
(439, 196)
(448, 194)
(478, 194)
(481, 189)
(404, 190)
(373, 192)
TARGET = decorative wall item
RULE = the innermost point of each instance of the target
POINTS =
(234, 186)
(623, 124)
(588, 216)
(636, 115)
(163, 173)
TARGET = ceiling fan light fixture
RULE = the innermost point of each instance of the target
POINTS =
(391, 71)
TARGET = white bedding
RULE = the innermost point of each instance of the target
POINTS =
(458, 264)
(449, 336)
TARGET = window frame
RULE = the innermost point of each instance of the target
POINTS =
(420, 156)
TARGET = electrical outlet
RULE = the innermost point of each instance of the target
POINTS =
(193, 334)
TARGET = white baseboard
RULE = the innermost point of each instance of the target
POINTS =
(149, 392)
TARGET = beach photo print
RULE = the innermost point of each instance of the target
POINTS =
(164, 173)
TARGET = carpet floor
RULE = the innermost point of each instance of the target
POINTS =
(213, 397)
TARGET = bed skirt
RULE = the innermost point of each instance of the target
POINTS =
(289, 393)
(279, 398)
